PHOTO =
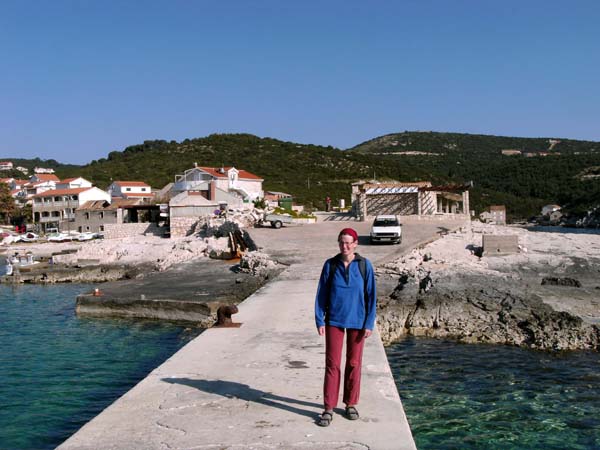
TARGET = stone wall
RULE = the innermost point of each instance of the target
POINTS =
(121, 230)
(182, 226)
(500, 245)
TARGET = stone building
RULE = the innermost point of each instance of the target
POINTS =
(93, 216)
(496, 215)
(56, 208)
(412, 198)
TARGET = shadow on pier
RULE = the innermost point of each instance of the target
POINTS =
(231, 389)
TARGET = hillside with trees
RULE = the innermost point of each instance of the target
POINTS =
(567, 176)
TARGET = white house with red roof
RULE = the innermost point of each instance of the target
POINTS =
(42, 170)
(6, 165)
(37, 187)
(44, 177)
(130, 189)
(15, 183)
(57, 207)
(73, 183)
(234, 186)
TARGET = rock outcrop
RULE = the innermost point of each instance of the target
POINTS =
(482, 311)
(542, 297)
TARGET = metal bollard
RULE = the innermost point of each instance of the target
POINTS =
(224, 314)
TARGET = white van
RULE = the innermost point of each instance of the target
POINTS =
(386, 228)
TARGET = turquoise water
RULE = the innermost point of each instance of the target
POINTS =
(58, 371)
(459, 396)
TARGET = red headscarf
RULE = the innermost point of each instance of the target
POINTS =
(349, 232)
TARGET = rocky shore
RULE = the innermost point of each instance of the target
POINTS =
(547, 296)
(184, 279)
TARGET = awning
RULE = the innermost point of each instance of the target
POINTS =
(393, 190)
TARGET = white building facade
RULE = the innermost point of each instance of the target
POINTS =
(56, 208)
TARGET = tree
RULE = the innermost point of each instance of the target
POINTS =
(7, 203)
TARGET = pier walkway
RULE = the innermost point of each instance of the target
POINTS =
(259, 386)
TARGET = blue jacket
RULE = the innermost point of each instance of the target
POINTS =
(346, 301)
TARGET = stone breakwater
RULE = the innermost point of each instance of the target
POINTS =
(445, 291)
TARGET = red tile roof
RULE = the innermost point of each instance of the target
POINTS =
(138, 194)
(46, 177)
(53, 192)
(132, 183)
(214, 171)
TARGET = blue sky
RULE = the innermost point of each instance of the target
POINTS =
(79, 79)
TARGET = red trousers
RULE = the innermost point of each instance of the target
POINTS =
(334, 341)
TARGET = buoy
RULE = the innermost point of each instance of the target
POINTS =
(97, 292)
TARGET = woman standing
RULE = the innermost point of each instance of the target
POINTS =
(345, 305)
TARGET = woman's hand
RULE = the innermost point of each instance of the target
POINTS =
(321, 330)
(368, 333)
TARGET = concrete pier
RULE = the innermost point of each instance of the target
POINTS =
(259, 386)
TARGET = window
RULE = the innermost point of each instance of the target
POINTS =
(87, 216)
(143, 189)
(102, 214)
(87, 228)
(101, 227)
(127, 189)
(58, 199)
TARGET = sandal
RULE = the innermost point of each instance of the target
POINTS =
(351, 413)
(325, 419)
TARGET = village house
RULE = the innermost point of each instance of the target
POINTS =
(93, 216)
(6, 165)
(420, 198)
(200, 191)
(39, 177)
(38, 184)
(56, 208)
(73, 183)
(496, 215)
(22, 169)
(273, 198)
(130, 189)
(511, 152)
(42, 170)
(236, 186)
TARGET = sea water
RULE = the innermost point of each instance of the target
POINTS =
(460, 396)
(58, 371)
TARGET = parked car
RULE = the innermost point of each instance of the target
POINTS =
(386, 228)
